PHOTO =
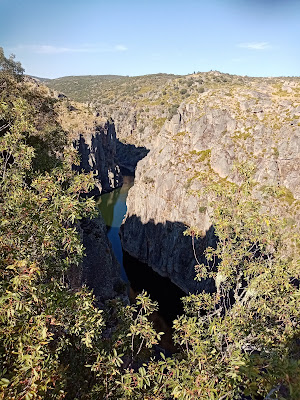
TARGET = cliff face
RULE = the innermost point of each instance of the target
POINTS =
(95, 140)
(257, 122)
(97, 150)
(100, 268)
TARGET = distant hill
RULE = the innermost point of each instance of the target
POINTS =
(140, 105)
(39, 78)
(90, 88)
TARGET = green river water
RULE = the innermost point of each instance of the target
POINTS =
(113, 209)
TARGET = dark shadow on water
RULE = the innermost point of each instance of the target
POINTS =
(162, 290)
(164, 247)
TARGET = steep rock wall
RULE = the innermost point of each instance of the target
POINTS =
(97, 150)
(212, 133)
(100, 268)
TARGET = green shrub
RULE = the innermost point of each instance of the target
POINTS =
(173, 110)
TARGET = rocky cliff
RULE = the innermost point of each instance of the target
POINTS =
(258, 120)
(97, 150)
(100, 268)
(205, 122)
(95, 140)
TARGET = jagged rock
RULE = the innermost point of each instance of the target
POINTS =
(128, 155)
(100, 269)
(211, 134)
(97, 150)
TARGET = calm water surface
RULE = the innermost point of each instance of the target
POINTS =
(139, 275)
(113, 209)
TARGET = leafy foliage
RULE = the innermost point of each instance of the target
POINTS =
(240, 342)
(54, 342)
(10, 66)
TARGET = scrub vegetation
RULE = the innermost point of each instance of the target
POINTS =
(240, 342)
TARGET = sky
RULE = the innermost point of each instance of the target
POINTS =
(55, 38)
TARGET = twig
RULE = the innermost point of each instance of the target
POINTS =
(193, 243)
(275, 389)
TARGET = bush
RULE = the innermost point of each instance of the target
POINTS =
(241, 341)
(173, 110)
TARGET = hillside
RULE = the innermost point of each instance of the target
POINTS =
(140, 106)
(106, 88)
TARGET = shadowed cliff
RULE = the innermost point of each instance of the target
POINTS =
(165, 249)
(128, 155)
(97, 152)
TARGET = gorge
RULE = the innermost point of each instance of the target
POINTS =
(219, 121)
(215, 196)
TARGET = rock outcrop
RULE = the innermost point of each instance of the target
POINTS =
(97, 150)
(128, 156)
(100, 268)
(95, 140)
(257, 121)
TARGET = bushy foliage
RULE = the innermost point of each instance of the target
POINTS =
(10, 66)
(52, 337)
(173, 110)
(242, 341)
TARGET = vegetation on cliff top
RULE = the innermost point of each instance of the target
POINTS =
(107, 88)
(242, 340)
(135, 103)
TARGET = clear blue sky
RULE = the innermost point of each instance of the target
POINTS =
(55, 38)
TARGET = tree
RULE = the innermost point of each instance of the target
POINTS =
(53, 339)
(242, 340)
(10, 66)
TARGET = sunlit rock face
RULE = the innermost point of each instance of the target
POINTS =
(257, 121)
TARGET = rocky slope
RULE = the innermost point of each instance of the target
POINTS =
(258, 120)
(95, 140)
(205, 122)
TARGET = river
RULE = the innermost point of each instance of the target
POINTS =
(138, 275)
(113, 209)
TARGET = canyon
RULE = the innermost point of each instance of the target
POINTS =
(198, 292)
(217, 122)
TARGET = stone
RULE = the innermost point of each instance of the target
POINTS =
(251, 125)
(97, 150)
